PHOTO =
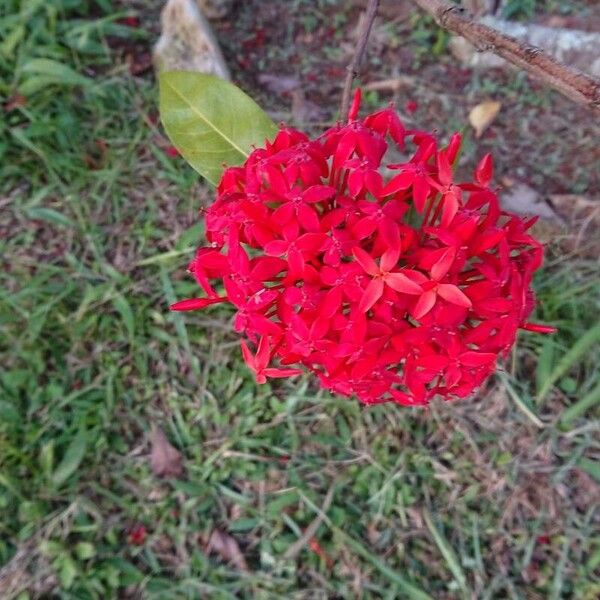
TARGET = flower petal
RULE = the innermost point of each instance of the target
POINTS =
(401, 283)
(372, 293)
(454, 295)
(318, 193)
(420, 192)
(279, 373)
(476, 359)
(365, 261)
(538, 328)
(424, 304)
(389, 259)
(400, 182)
(443, 264)
(196, 303)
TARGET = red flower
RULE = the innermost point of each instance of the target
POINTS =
(382, 276)
(130, 21)
(411, 106)
(137, 535)
(392, 290)
(258, 364)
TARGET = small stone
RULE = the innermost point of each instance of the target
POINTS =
(187, 41)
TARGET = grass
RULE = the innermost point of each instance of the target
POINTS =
(463, 500)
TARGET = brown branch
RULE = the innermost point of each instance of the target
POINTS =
(573, 84)
(361, 46)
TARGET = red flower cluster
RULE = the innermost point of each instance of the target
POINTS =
(392, 289)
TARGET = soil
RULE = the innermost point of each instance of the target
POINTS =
(291, 56)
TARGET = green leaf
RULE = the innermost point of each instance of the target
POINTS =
(12, 40)
(211, 121)
(67, 572)
(85, 550)
(72, 458)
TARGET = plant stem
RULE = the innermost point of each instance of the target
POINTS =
(359, 53)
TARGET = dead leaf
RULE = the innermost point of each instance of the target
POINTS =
(139, 62)
(577, 209)
(227, 548)
(279, 84)
(482, 116)
(305, 111)
(524, 200)
(165, 460)
(15, 101)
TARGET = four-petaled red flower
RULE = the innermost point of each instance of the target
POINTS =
(394, 290)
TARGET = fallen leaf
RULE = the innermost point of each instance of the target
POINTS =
(15, 101)
(482, 115)
(227, 548)
(165, 460)
(279, 84)
(582, 218)
(577, 209)
(139, 62)
(524, 200)
(305, 111)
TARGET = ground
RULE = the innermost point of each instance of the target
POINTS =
(493, 497)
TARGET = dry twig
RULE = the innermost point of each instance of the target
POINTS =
(573, 84)
(353, 67)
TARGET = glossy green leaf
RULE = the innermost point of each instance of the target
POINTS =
(211, 121)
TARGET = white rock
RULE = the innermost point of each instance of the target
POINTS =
(187, 41)
(215, 9)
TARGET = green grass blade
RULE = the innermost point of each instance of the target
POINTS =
(72, 458)
(591, 467)
(557, 582)
(521, 404)
(448, 553)
(591, 337)
(410, 591)
(577, 409)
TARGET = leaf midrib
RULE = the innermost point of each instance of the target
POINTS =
(205, 119)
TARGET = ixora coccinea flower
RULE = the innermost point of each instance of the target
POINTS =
(390, 282)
